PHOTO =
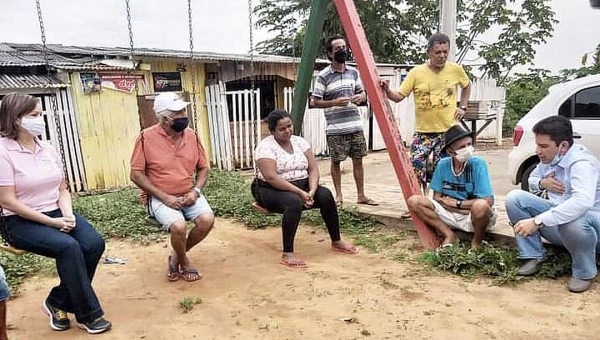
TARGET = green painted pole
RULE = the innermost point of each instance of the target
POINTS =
(310, 48)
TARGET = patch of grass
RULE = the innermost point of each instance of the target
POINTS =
(118, 214)
(187, 304)
(495, 262)
(18, 267)
(230, 197)
(115, 215)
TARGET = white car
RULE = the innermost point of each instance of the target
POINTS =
(578, 100)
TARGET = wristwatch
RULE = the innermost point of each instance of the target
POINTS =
(463, 107)
(198, 191)
(458, 204)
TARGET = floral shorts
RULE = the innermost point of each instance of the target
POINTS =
(423, 144)
(351, 145)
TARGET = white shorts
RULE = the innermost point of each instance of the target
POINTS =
(460, 221)
(167, 216)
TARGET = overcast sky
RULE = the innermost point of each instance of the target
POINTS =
(222, 26)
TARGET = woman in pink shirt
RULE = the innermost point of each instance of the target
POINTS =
(38, 215)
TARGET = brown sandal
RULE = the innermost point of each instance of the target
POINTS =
(172, 273)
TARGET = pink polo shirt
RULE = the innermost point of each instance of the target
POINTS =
(35, 176)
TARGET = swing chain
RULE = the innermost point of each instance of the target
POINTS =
(53, 99)
(134, 65)
(251, 29)
(192, 70)
(130, 30)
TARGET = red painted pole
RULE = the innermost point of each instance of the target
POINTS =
(383, 111)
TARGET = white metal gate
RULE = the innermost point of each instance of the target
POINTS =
(235, 129)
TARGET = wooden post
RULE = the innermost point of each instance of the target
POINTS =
(310, 47)
(383, 111)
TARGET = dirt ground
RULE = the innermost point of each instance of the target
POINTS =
(247, 294)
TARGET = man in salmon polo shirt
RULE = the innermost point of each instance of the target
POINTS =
(164, 160)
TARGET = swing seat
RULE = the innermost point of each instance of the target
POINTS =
(261, 209)
(151, 220)
(10, 249)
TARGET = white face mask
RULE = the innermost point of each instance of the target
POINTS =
(35, 125)
(462, 155)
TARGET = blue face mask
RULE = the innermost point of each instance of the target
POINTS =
(557, 158)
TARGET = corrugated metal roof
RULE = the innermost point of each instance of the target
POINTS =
(29, 81)
(90, 58)
(31, 55)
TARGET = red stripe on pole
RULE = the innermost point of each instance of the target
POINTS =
(383, 111)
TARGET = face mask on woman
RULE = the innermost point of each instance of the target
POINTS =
(34, 125)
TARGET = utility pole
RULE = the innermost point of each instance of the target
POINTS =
(448, 9)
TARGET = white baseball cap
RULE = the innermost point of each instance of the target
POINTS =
(169, 101)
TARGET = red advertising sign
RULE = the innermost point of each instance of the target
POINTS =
(121, 82)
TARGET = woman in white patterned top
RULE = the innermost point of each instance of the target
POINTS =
(287, 182)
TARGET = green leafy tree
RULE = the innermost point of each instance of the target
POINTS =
(524, 90)
(585, 69)
(398, 30)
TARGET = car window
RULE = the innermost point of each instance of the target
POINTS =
(587, 104)
(566, 109)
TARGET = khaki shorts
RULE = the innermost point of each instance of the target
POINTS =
(352, 145)
(460, 221)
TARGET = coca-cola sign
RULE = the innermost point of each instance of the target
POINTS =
(121, 82)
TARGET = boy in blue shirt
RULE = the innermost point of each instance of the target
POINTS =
(462, 192)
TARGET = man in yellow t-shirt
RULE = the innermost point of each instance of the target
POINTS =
(434, 85)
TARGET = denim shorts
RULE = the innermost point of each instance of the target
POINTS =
(167, 216)
(4, 291)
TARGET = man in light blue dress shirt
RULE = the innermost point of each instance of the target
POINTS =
(570, 217)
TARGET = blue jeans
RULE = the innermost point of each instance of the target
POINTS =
(77, 254)
(579, 237)
(4, 290)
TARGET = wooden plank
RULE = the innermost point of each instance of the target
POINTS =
(251, 122)
(381, 107)
(246, 128)
(234, 106)
(240, 95)
(79, 153)
(70, 146)
(64, 136)
(209, 107)
(226, 128)
(216, 98)
(257, 116)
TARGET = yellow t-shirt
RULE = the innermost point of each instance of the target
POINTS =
(435, 95)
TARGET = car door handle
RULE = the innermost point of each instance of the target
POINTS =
(576, 135)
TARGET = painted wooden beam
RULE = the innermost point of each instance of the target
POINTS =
(383, 111)
(312, 39)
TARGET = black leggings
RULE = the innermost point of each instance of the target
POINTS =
(290, 205)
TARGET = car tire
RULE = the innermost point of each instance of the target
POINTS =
(525, 177)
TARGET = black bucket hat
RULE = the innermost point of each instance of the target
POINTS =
(455, 133)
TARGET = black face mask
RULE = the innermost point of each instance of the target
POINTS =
(179, 124)
(340, 56)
